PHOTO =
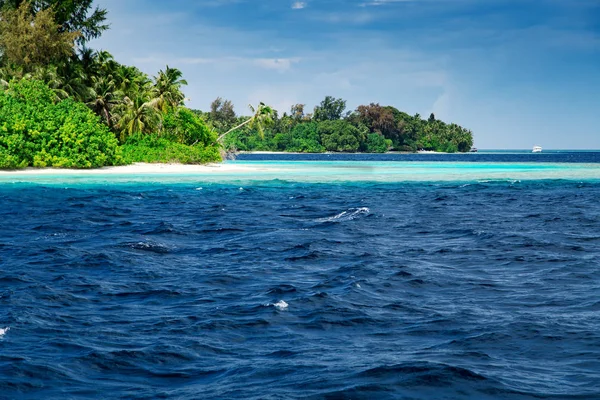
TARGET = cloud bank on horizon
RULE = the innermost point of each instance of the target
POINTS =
(516, 72)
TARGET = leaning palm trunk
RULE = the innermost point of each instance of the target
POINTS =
(234, 129)
(261, 116)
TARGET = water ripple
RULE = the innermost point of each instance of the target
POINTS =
(479, 290)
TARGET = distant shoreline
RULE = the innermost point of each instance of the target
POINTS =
(335, 152)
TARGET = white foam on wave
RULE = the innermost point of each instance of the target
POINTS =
(347, 215)
(3, 331)
(281, 305)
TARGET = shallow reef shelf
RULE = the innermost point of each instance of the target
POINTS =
(315, 171)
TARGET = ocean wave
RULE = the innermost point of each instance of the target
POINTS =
(152, 247)
(160, 291)
(348, 215)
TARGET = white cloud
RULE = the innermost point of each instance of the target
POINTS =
(298, 5)
(278, 64)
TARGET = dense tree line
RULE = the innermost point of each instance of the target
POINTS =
(370, 128)
(45, 41)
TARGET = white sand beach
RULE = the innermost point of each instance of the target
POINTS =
(138, 168)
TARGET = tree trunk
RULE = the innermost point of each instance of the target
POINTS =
(233, 129)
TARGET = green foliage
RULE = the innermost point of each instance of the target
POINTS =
(167, 89)
(340, 136)
(35, 131)
(330, 109)
(262, 117)
(221, 115)
(157, 149)
(305, 139)
(380, 120)
(184, 126)
(29, 41)
(370, 128)
(37, 43)
(376, 143)
(70, 15)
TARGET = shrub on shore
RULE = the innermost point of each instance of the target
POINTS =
(36, 131)
(154, 148)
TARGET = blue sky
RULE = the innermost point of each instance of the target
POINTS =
(516, 72)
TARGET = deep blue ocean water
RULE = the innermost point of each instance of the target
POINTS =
(274, 289)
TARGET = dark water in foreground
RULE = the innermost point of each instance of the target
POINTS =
(297, 290)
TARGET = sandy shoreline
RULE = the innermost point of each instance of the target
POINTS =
(138, 168)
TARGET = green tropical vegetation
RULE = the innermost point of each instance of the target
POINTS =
(37, 131)
(370, 128)
(63, 104)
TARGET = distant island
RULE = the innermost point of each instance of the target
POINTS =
(370, 128)
(64, 105)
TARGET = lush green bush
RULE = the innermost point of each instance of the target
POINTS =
(340, 136)
(184, 126)
(305, 139)
(35, 131)
(376, 143)
(159, 149)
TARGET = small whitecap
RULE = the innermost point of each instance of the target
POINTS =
(347, 215)
(3, 331)
(241, 188)
(281, 305)
(358, 285)
(199, 188)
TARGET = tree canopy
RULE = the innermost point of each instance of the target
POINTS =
(70, 15)
(28, 41)
(330, 109)
(369, 128)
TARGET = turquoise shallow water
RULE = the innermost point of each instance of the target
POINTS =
(338, 171)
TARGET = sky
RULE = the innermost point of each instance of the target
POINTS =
(518, 73)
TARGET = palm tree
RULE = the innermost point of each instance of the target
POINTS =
(137, 116)
(167, 89)
(74, 80)
(104, 97)
(262, 117)
(50, 76)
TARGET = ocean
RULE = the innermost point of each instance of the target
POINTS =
(361, 277)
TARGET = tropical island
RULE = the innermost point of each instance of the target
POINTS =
(65, 105)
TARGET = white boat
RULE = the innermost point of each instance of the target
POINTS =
(537, 149)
